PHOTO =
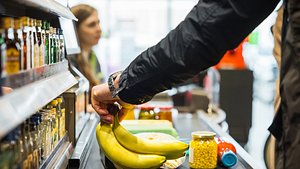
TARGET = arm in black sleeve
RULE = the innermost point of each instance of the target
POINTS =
(198, 42)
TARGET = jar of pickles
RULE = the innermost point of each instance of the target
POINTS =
(203, 150)
(146, 112)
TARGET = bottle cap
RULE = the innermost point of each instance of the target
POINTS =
(25, 20)
(39, 23)
(59, 100)
(54, 102)
(203, 134)
(147, 108)
(229, 159)
(30, 22)
(47, 25)
(33, 22)
(7, 22)
(165, 108)
(17, 23)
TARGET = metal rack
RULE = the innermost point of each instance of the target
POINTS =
(33, 89)
(46, 6)
(26, 100)
(60, 154)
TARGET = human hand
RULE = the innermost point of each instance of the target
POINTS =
(102, 100)
(6, 90)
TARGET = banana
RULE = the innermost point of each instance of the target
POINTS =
(171, 149)
(120, 155)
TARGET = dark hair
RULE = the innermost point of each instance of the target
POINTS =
(82, 12)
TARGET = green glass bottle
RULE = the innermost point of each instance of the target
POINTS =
(46, 26)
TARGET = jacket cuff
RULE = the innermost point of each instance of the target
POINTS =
(129, 95)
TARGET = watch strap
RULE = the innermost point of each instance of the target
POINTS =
(111, 84)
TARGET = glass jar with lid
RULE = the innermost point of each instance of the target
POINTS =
(165, 113)
(203, 150)
(146, 112)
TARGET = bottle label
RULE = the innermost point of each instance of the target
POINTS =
(30, 160)
(25, 164)
(35, 159)
(12, 60)
(36, 55)
(28, 53)
(62, 122)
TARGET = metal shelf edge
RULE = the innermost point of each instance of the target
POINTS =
(83, 145)
(49, 6)
(29, 76)
(60, 155)
(25, 101)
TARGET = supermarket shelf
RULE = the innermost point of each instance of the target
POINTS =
(84, 144)
(49, 6)
(25, 101)
(29, 76)
(60, 155)
(80, 123)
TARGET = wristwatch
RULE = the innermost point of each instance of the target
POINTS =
(111, 84)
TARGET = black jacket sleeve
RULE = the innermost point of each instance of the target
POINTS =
(198, 42)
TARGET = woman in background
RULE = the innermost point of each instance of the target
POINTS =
(89, 33)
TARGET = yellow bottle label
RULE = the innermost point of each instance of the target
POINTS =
(28, 54)
(47, 144)
(49, 139)
(62, 125)
(54, 135)
(35, 159)
(63, 121)
(25, 164)
(12, 60)
(30, 161)
(42, 55)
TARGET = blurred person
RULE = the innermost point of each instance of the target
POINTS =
(199, 42)
(89, 33)
(276, 31)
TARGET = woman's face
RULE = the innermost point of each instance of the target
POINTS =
(89, 31)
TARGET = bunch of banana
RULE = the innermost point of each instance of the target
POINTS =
(120, 155)
(171, 149)
(129, 151)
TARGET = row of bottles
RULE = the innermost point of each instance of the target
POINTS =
(27, 146)
(27, 43)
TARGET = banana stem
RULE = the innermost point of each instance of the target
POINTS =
(113, 109)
